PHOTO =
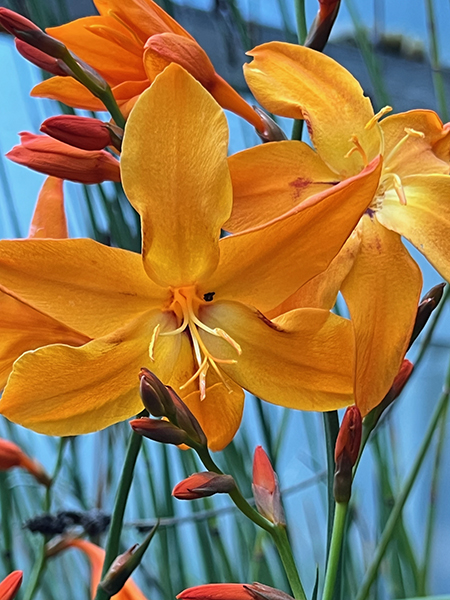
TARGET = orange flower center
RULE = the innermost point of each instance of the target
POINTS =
(185, 304)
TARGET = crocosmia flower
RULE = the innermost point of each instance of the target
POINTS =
(129, 44)
(379, 280)
(192, 307)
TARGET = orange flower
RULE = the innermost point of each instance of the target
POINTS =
(129, 44)
(10, 585)
(51, 157)
(12, 456)
(233, 591)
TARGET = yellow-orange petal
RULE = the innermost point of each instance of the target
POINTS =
(61, 390)
(90, 287)
(297, 82)
(416, 155)
(69, 91)
(175, 174)
(382, 293)
(112, 60)
(425, 220)
(264, 266)
(143, 17)
(304, 359)
(49, 217)
(271, 179)
(321, 291)
(96, 556)
(25, 328)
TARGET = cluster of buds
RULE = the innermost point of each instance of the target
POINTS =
(12, 456)
(346, 453)
(233, 591)
(176, 424)
(10, 585)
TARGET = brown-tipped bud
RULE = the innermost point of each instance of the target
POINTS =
(12, 22)
(272, 131)
(428, 303)
(55, 66)
(186, 420)
(51, 157)
(10, 585)
(82, 132)
(346, 453)
(202, 485)
(12, 456)
(323, 23)
(159, 431)
(155, 396)
(266, 490)
(233, 591)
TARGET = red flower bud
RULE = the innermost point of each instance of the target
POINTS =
(233, 591)
(51, 157)
(55, 66)
(186, 419)
(155, 395)
(81, 132)
(346, 453)
(401, 379)
(13, 22)
(266, 490)
(12, 456)
(10, 585)
(201, 485)
(427, 305)
(323, 23)
(159, 431)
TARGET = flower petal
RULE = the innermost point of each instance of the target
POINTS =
(382, 294)
(416, 155)
(78, 390)
(49, 218)
(176, 128)
(25, 328)
(264, 266)
(271, 179)
(297, 82)
(115, 62)
(304, 359)
(425, 220)
(90, 287)
(69, 91)
(321, 291)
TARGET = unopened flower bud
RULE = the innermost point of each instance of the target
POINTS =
(12, 456)
(155, 396)
(202, 485)
(427, 305)
(186, 419)
(233, 591)
(346, 453)
(323, 23)
(272, 131)
(55, 66)
(266, 490)
(82, 132)
(10, 585)
(159, 431)
(51, 157)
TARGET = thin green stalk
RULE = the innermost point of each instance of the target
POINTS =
(278, 533)
(126, 479)
(6, 518)
(438, 80)
(335, 550)
(431, 519)
(391, 524)
(300, 19)
(331, 425)
(39, 565)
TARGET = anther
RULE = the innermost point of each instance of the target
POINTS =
(151, 348)
(377, 117)
(357, 148)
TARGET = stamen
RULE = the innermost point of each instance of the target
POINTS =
(151, 348)
(399, 189)
(415, 133)
(115, 16)
(223, 334)
(357, 148)
(377, 117)
(196, 374)
(409, 133)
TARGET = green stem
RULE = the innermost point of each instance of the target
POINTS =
(39, 565)
(6, 518)
(278, 532)
(438, 81)
(331, 425)
(335, 550)
(115, 530)
(391, 524)
(300, 19)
